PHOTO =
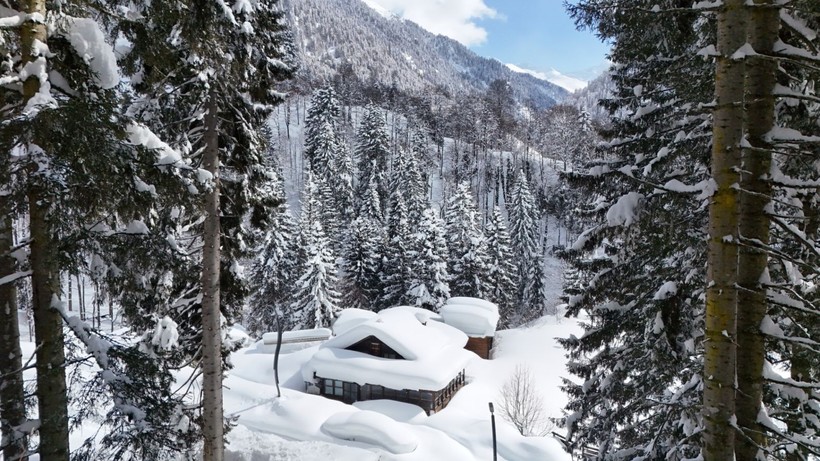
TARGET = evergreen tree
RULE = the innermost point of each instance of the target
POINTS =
(274, 273)
(224, 85)
(640, 260)
(321, 143)
(362, 264)
(315, 300)
(429, 287)
(468, 260)
(502, 270)
(526, 249)
(372, 153)
(396, 271)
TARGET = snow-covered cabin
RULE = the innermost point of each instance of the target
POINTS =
(400, 354)
(477, 318)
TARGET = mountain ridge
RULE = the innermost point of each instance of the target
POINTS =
(332, 34)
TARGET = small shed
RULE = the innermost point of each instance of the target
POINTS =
(477, 318)
(397, 354)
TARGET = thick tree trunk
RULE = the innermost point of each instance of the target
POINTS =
(212, 419)
(12, 397)
(756, 191)
(52, 399)
(721, 291)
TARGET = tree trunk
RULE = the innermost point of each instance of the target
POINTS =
(52, 400)
(212, 419)
(721, 291)
(764, 24)
(12, 397)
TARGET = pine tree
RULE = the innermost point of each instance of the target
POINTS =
(362, 264)
(526, 249)
(274, 273)
(315, 301)
(502, 270)
(372, 153)
(641, 258)
(321, 143)
(231, 73)
(429, 287)
(396, 272)
(468, 261)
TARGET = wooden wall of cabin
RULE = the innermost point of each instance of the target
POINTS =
(481, 346)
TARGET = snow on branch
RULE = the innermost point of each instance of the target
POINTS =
(798, 25)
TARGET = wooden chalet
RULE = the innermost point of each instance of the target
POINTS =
(398, 355)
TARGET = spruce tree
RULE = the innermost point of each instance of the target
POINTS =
(231, 73)
(429, 286)
(524, 238)
(467, 261)
(274, 273)
(372, 153)
(502, 270)
(362, 264)
(396, 272)
(641, 258)
(316, 299)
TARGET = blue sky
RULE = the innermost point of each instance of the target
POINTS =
(539, 35)
(533, 34)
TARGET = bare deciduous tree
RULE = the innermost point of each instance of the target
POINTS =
(521, 405)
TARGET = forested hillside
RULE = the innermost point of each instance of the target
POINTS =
(349, 40)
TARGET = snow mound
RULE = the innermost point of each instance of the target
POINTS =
(399, 411)
(371, 428)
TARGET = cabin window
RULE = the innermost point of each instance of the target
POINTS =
(334, 387)
(351, 392)
(375, 349)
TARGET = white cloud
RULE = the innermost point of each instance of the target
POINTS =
(453, 18)
(566, 82)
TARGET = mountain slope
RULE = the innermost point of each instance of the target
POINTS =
(380, 49)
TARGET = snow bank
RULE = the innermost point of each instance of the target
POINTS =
(372, 428)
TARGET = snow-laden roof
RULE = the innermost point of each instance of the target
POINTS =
(434, 353)
(350, 318)
(297, 336)
(476, 317)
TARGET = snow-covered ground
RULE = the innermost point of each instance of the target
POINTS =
(304, 427)
(299, 426)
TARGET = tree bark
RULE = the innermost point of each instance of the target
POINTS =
(12, 397)
(212, 418)
(721, 291)
(52, 398)
(763, 29)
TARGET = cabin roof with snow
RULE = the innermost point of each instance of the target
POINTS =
(431, 353)
(475, 317)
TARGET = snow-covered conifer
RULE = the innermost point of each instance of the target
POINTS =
(468, 262)
(429, 287)
(502, 288)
